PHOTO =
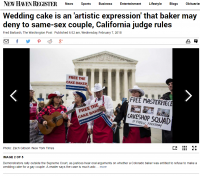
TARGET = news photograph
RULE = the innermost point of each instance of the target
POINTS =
(148, 110)
(83, 96)
(163, 112)
(136, 109)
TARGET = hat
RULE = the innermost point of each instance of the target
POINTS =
(80, 94)
(97, 87)
(137, 89)
(169, 80)
(54, 94)
(31, 87)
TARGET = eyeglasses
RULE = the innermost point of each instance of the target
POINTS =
(76, 96)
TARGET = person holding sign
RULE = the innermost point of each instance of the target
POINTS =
(133, 134)
(102, 133)
(34, 137)
(54, 104)
(167, 136)
(79, 133)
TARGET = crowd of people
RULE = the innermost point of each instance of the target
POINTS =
(71, 131)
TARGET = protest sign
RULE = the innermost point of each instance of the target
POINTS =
(109, 120)
(91, 112)
(152, 112)
(88, 113)
(76, 82)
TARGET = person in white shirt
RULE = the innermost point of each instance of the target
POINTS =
(79, 133)
(102, 133)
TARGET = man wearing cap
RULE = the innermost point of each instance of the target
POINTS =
(79, 133)
(55, 104)
(167, 136)
(102, 133)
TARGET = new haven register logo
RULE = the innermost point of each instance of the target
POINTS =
(30, 3)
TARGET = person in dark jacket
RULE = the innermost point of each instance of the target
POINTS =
(117, 111)
(116, 134)
(118, 108)
(167, 136)
(133, 134)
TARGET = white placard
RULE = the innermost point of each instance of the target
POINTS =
(88, 113)
(76, 82)
(152, 112)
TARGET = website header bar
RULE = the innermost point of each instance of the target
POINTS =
(63, 4)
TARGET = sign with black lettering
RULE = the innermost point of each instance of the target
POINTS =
(151, 112)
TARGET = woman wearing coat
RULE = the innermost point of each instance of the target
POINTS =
(133, 134)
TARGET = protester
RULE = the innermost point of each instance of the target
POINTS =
(102, 133)
(54, 104)
(41, 105)
(118, 108)
(167, 136)
(33, 124)
(133, 134)
(118, 111)
(79, 133)
(116, 133)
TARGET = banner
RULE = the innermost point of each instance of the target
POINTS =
(152, 112)
(109, 121)
(91, 112)
(88, 113)
(76, 82)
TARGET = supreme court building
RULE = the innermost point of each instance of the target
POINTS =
(115, 72)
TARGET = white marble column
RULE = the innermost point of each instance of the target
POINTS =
(84, 74)
(76, 71)
(117, 85)
(101, 76)
(92, 77)
(109, 83)
(133, 77)
(125, 84)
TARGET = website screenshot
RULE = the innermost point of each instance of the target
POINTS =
(87, 87)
